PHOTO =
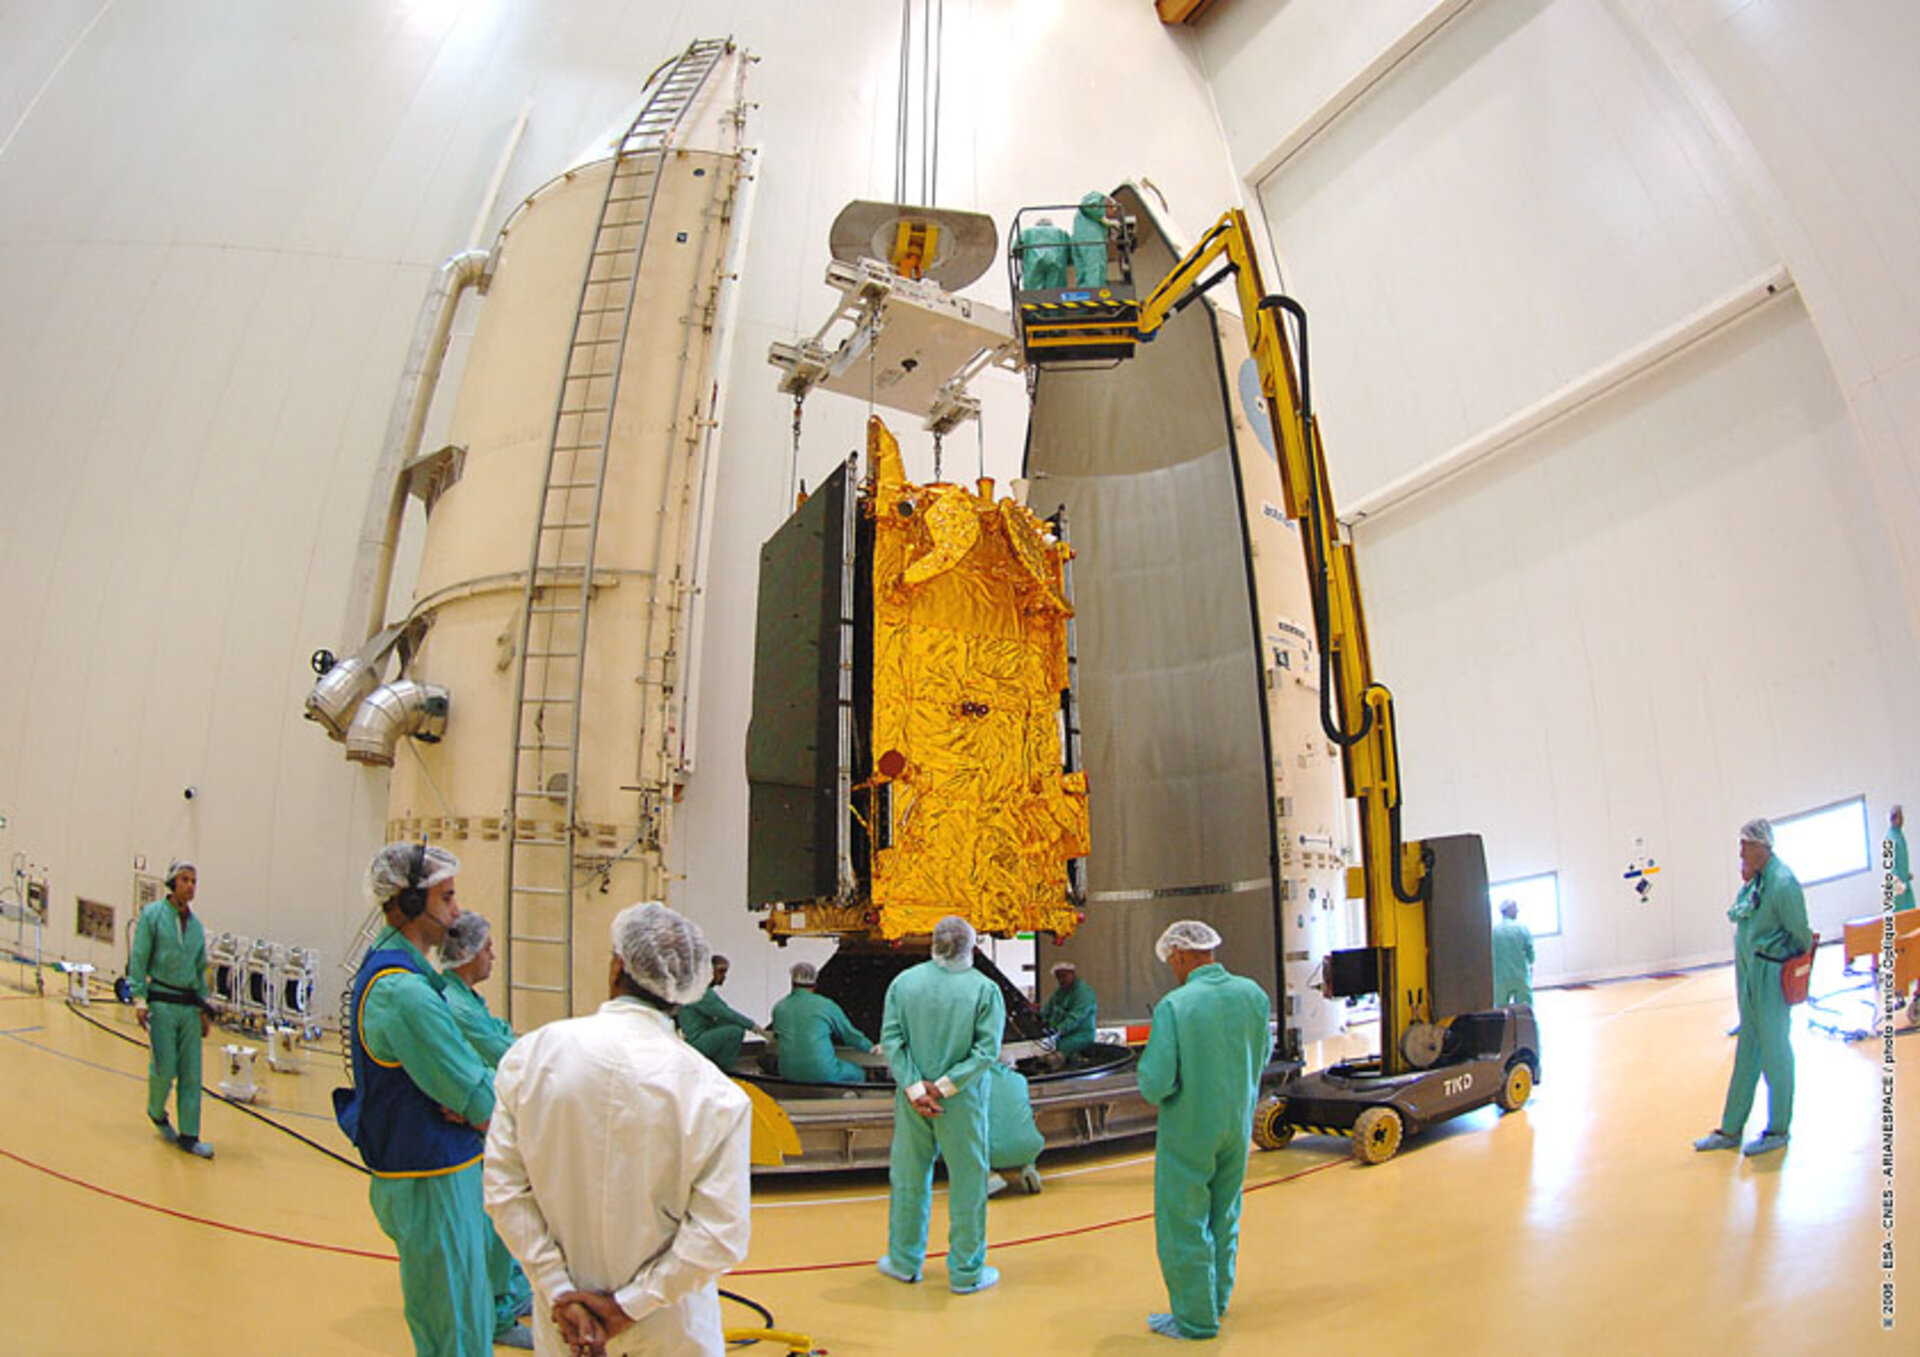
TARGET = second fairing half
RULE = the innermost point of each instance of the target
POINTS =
(1216, 794)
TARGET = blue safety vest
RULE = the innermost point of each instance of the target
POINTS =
(398, 1130)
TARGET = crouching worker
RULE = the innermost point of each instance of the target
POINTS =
(419, 1105)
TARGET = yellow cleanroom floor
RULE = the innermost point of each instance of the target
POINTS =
(1583, 1222)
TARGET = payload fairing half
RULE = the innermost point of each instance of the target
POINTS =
(554, 619)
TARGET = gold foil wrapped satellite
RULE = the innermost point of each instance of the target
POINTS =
(913, 745)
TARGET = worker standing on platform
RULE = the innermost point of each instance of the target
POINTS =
(1770, 928)
(167, 974)
(714, 1027)
(1210, 1040)
(941, 1031)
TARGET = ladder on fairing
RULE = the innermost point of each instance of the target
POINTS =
(549, 665)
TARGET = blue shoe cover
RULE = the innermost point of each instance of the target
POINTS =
(989, 1276)
(1765, 1143)
(888, 1270)
(1715, 1140)
(1166, 1326)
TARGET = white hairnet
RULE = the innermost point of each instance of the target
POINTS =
(1187, 935)
(464, 939)
(953, 939)
(803, 973)
(1060, 966)
(1757, 831)
(664, 953)
(179, 865)
(387, 873)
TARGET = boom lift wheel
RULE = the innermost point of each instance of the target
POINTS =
(1516, 1087)
(1376, 1135)
(1270, 1130)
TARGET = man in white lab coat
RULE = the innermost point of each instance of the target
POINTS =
(617, 1160)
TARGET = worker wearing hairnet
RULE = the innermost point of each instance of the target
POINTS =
(1042, 253)
(941, 1031)
(1070, 1010)
(167, 975)
(1770, 928)
(715, 1028)
(807, 1026)
(466, 960)
(617, 1161)
(420, 1102)
(1014, 1142)
(1512, 958)
(1090, 242)
(1209, 1043)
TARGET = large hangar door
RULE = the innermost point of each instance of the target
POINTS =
(1176, 742)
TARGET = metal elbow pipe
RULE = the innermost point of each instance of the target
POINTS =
(394, 709)
(387, 501)
(339, 693)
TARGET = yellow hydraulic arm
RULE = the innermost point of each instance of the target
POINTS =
(1355, 711)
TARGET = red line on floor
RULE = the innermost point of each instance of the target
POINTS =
(197, 1220)
(1030, 1239)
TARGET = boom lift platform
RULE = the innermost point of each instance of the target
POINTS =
(1443, 1049)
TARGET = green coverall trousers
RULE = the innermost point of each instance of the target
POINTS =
(173, 1030)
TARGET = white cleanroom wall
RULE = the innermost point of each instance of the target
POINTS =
(1691, 601)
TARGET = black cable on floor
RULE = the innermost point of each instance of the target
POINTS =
(356, 1166)
(766, 1315)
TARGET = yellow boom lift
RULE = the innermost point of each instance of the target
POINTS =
(1428, 919)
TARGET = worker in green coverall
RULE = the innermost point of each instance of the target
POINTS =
(466, 960)
(1899, 884)
(1070, 1010)
(1043, 256)
(941, 1028)
(1090, 242)
(1770, 928)
(713, 1027)
(1512, 958)
(1014, 1142)
(808, 1026)
(167, 973)
(420, 1106)
(1894, 856)
(1210, 1040)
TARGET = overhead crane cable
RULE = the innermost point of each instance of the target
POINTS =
(900, 103)
(933, 24)
(939, 54)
